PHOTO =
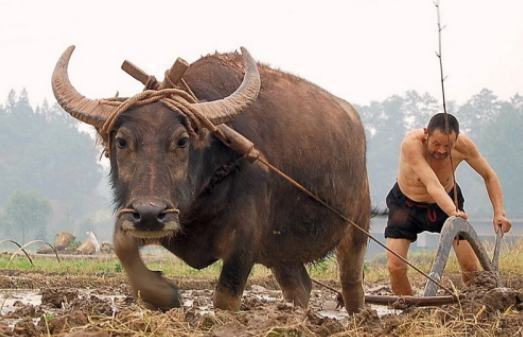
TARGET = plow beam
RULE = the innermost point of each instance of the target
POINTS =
(404, 301)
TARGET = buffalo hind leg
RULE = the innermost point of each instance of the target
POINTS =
(295, 283)
(350, 254)
(148, 286)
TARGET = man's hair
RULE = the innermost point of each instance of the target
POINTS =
(438, 122)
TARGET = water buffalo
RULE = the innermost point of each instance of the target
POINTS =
(178, 185)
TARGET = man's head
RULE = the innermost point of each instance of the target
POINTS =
(441, 135)
(439, 122)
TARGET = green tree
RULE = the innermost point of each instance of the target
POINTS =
(477, 112)
(418, 109)
(385, 128)
(43, 150)
(502, 145)
(11, 101)
(26, 216)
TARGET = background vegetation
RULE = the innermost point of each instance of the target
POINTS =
(51, 178)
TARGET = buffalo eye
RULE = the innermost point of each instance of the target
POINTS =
(121, 143)
(182, 142)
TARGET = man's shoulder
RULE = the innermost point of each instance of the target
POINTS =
(463, 139)
(465, 145)
(416, 133)
(413, 138)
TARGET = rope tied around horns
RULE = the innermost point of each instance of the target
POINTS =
(174, 99)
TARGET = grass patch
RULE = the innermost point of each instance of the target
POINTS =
(510, 263)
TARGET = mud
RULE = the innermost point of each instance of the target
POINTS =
(39, 304)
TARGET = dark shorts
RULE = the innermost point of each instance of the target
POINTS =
(408, 218)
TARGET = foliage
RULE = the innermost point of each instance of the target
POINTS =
(26, 215)
(477, 111)
(502, 142)
(43, 151)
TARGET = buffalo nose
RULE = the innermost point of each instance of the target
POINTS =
(149, 216)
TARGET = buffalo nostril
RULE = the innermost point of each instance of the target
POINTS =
(149, 216)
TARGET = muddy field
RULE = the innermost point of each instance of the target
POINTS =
(38, 304)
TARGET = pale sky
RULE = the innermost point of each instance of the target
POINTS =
(361, 50)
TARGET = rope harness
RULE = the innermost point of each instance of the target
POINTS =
(174, 99)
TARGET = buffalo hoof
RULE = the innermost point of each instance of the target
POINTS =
(161, 299)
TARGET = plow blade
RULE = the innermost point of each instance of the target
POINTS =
(452, 227)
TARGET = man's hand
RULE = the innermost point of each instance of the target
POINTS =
(501, 223)
(461, 214)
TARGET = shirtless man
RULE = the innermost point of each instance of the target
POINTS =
(423, 196)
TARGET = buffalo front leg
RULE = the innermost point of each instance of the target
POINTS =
(350, 255)
(148, 286)
(295, 283)
(232, 281)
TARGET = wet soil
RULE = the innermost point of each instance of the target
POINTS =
(52, 304)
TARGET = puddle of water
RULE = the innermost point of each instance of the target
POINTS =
(9, 297)
(342, 314)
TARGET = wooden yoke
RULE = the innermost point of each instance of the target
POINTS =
(135, 72)
(172, 76)
(175, 74)
(227, 135)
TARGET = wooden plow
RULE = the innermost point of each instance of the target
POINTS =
(452, 227)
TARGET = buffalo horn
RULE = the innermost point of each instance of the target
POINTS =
(86, 110)
(94, 113)
(223, 110)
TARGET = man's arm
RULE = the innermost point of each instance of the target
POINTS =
(492, 183)
(413, 153)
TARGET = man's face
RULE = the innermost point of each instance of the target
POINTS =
(439, 145)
